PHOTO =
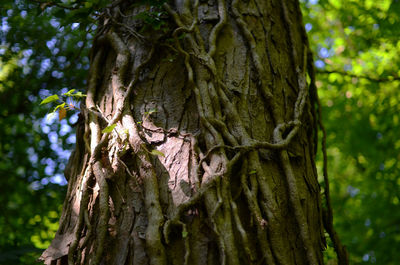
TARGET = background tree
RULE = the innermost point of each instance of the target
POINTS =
(213, 166)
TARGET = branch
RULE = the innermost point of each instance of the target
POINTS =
(43, 5)
(372, 79)
(215, 30)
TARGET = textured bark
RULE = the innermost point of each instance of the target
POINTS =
(212, 157)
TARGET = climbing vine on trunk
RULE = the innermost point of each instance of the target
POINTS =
(197, 140)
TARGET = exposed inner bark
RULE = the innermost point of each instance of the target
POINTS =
(212, 157)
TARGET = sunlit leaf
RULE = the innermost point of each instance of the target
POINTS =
(157, 153)
(49, 99)
(59, 106)
(109, 129)
(78, 95)
(69, 93)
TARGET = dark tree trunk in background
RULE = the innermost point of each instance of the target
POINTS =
(212, 157)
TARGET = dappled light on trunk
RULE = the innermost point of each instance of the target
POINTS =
(198, 141)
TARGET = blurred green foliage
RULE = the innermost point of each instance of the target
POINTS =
(357, 49)
(44, 51)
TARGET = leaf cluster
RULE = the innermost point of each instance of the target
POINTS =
(63, 107)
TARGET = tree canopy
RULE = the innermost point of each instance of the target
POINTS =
(44, 49)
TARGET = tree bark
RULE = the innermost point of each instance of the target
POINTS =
(211, 160)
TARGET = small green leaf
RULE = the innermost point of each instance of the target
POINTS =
(59, 106)
(79, 95)
(157, 153)
(148, 113)
(109, 129)
(252, 172)
(69, 93)
(184, 234)
(49, 99)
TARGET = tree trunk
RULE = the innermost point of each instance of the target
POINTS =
(211, 160)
